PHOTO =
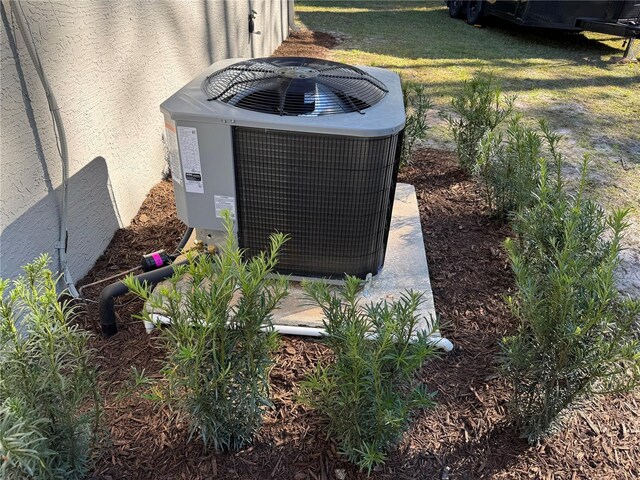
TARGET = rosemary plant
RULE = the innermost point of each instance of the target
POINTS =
(416, 104)
(369, 390)
(508, 168)
(576, 336)
(477, 111)
(49, 405)
(220, 342)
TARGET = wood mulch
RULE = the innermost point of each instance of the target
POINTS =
(466, 436)
(306, 43)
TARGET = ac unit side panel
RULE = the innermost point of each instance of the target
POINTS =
(205, 188)
(332, 195)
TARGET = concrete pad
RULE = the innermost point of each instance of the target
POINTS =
(405, 268)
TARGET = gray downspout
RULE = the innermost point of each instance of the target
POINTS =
(292, 17)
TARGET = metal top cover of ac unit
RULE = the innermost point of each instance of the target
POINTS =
(335, 98)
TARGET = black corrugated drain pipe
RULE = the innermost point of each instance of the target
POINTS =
(106, 302)
(152, 276)
(185, 239)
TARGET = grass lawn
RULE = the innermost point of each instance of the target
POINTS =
(572, 80)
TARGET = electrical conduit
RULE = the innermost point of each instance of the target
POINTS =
(62, 243)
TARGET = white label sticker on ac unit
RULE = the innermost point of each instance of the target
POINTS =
(174, 156)
(190, 157)
(225, 203)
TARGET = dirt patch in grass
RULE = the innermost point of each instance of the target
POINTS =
(467, 435)
(305, 43)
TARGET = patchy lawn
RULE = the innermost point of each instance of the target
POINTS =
(573, 80)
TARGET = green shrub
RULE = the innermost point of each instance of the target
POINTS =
(219, 349)
(576, 333)
(49, 406)
(478, 110)
(368, 391)
(416, 104)
(508, 168)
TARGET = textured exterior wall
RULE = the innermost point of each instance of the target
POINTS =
(110, 64)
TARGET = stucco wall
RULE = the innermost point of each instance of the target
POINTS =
(110, 65)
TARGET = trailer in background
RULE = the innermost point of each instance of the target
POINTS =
(618, 17)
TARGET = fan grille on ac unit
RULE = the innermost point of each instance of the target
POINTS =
(295, 86)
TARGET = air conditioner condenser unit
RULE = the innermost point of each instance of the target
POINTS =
(301, 146)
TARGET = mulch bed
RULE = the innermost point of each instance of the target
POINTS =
(466, 437)
(306, 43)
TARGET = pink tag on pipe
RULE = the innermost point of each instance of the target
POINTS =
(157, 258)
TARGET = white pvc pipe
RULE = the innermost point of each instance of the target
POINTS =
(435, 340)
(300, 331)
(441, 342)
